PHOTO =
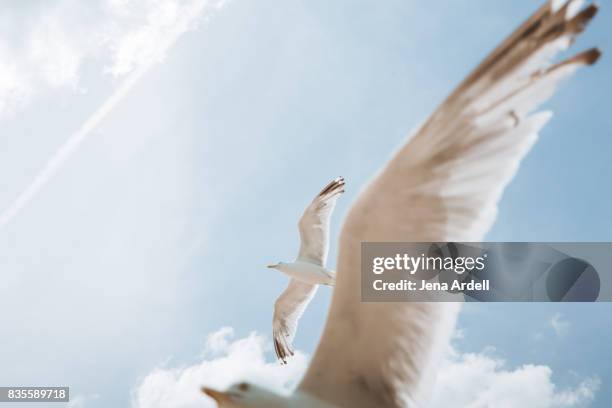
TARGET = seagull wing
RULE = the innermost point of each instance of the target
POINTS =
(443, 185)
(314, 224)
(288, 309)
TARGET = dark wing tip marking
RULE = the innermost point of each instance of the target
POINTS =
(282, 346)
(578, 23)
(333, 185)
(279, 352)
(588, 57)
(589, 12)
(591, 56)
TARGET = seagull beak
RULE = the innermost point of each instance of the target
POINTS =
(220, 397)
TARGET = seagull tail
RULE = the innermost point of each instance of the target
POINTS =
(332, 278)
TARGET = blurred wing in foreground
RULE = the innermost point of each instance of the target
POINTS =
(444, 185)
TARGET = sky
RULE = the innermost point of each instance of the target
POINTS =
(167, 148)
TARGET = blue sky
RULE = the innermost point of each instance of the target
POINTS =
(154, 233)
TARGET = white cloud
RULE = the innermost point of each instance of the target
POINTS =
(224, 362)
(138, 35)
(52, 57)
(45, 47)
(482, 380)
(559, 324)
(139, 44)
(80, 401)
(472, 380)
(15, 88)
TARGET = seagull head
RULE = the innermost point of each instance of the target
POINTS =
(246, 395)
(275, 266)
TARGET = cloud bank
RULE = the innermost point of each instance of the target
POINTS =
(44, 45)
(224, 361)
(472, 380)
(479, 380)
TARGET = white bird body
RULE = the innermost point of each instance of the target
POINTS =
(307, 272)
(442, 186)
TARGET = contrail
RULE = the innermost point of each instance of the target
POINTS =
(68, 148)
(72, 144)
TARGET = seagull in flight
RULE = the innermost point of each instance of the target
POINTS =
(443, 185)
(308, 271)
